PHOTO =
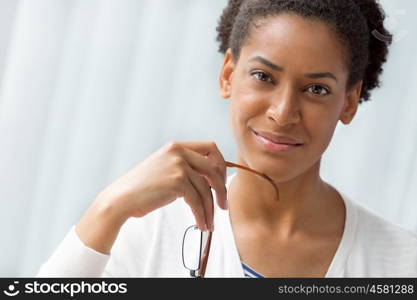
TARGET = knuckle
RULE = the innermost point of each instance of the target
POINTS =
(217, 150)
(213, 145)
(179, 176)
(216, 171)
(218, 167)
(178, 161)
(173, 146)
(221, 162)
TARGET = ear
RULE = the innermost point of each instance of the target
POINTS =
(351, 104)
(226, 75)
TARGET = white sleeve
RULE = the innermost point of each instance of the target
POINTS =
(74, 259)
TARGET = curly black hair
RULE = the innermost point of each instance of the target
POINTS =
(355, 23)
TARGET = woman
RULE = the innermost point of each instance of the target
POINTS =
(292, 70)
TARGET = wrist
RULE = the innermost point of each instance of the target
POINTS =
(113, 206)
(110, 210)
(100, 225)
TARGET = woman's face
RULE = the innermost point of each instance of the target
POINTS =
(303, 96)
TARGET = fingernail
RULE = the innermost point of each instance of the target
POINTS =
(211, 227)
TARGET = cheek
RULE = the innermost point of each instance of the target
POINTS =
(238, 116)
(320, 127)
(246, 101)
(244, 110)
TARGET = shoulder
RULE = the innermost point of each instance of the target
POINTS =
(381, 230)
(382, 248)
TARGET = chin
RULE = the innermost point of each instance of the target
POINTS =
(281, 175)
(280, 171)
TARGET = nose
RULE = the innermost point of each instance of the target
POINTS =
(284, 109)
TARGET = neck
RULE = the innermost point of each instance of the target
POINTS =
(301, 201)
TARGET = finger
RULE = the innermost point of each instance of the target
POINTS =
(222, 167)
(211, 151)
(192, 198)
(217, 156)
(203, 188)
(212, 169)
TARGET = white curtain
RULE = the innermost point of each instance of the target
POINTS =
(91, 87)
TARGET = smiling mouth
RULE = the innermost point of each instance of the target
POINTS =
(273, 146)
(282, 140)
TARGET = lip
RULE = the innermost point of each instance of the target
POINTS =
(277, 138)
(276, 143)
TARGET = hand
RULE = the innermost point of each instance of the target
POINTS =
(178, 169)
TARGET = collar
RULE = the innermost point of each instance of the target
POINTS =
(224, 259)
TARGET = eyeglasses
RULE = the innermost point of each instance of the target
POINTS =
(196, 243)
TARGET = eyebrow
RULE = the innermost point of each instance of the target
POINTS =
(280, 69)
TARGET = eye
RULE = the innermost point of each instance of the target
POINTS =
(319, 90)
(259, 74)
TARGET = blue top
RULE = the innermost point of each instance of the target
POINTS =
(251, 273)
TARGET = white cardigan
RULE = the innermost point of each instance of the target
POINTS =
(151, 247)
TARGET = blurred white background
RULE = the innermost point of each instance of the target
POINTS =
(89, 88)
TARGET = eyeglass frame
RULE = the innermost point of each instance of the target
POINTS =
(203, 255)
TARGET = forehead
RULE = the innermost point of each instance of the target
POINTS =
(296, 43)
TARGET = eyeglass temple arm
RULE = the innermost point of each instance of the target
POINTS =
(233, 165)
(206, 251)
